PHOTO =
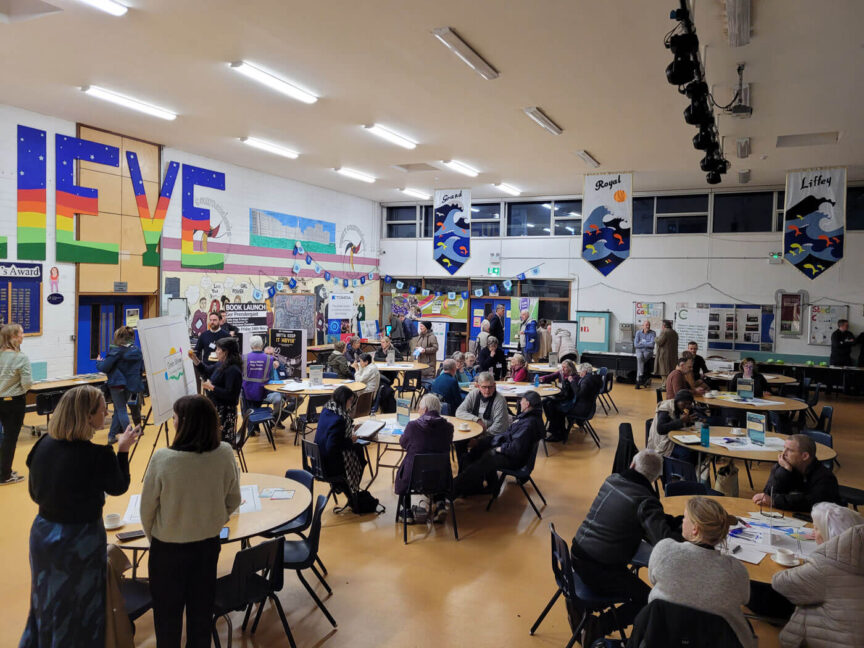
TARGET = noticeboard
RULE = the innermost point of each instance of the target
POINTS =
(21, 296)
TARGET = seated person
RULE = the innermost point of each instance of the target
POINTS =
(257, 372)
(567, 373)
(469, 371)
(511, 449)
(427, 434)
(352, 350)
(680, 571)
(682, 378)
(748, 370)
(672, 414)
(799, 480)
(485, 406)
(700, 367)
(625, 511)
(829, 587)
(585, 388)
(446, 386)
(518, 368)
(340, 455)
(366, 371)
(337, 362)
(385, 348)
(492, 359)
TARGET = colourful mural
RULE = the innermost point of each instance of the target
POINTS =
(196, 219)
(32, 153)
(283, 231)
(152, 226)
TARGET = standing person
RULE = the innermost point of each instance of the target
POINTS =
(190, 491)
(426, 349)
(492, 358)
(643, 344)
(667, 351)
(562, 343)
(15, 379)
(544, 340)
(69, 478)
(527, 335)
(223, 383)
(258, 368)
(123, 364)
(397, 332)
(841, 345)
(497, 326)
(680, 570)
(482, 337)
(230, 329)
(206, 345)
(410, 323)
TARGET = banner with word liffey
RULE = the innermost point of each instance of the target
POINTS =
(813, 222)
(607, 211)
(451, 243)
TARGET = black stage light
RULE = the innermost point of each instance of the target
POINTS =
(712, 177)
(710, 162)
(679, 14)
(697, 89)
(704, 139)
(682, 44)
(697, 112)
(681, 71)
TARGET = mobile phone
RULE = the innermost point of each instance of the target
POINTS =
(223, 534)
(125, 536)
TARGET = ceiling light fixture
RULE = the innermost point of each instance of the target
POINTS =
(542, 119)
(274, 82)
(128, 102)
(587, 158)
(270, 147)
(464, 51)
(461, 167)
(416, 193)
(108, 6)
(508, 189)
(390, 136)
(354, 174)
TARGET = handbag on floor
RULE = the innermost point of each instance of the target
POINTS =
(364, 502)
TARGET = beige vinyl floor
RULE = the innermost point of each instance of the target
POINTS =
(484, 590)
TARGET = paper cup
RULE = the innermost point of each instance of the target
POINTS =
(112, 520)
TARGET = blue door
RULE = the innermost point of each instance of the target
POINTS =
(486, 305)
(98, 317)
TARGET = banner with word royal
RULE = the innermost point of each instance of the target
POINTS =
(813, 223)
(607, 211)
(452, 240)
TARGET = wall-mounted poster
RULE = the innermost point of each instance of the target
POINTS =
(341, 306)
(652, 311)
(822, 322)
(21, 296)
(607, 208)
(691, 324)
(289, 350)
(791, 307)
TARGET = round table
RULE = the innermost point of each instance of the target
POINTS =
(509, 390)
(68, 383)
(242, 526)
(400, 366)
(784, 404)
(772, 379)
(329, 386)
(542, 367)
(823, 452)
(741, 507)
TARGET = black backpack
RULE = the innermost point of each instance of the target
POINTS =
(365, 502)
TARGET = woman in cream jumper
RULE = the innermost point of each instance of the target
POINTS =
(695, 575)
(190, 490)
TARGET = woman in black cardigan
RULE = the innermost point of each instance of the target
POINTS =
(222, 383)
(492, 359)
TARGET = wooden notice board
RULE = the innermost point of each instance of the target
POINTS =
(21, 296)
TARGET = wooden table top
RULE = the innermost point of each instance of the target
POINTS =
(474, 428)
(742, 507)
(505, 389)
(773, 379)
(66, 383)
(823, 452)
(401, 365)
(273, 513)
(786, 404)
(330, 385)
(543, 367)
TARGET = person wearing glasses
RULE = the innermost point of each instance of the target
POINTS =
(799, 480)
(485, 406)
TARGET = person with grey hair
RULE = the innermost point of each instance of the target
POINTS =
(469, 371)
(482, 337)
(527, 335)
(429, 433)
(492, 358)
(446, 386)
(257, 372)
(485, 406)
(352, 349)
(625, 511)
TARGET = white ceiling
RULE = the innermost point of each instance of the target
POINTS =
(597, 68)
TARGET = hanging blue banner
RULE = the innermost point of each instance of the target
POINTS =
(466, 294)
(521, 276)
(327, 276)
(451, 243)
(271, 291)
(362, 281)
(292, 283)
(412, 290)
(308, 260)
(344, 283)
(388, 279)
(607, 209)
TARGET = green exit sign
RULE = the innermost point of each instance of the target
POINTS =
(494, 271)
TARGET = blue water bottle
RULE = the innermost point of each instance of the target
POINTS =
(705, 436)
(536, 380)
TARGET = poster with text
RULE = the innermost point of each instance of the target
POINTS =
(341, 306)
(607, 208)
(170, 373)
(289, 350)
(691, 324)
(451, 242)
(654, 312)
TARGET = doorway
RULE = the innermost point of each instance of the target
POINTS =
(98, 317)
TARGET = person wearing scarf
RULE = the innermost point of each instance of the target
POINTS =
(485, 406)
(341, 456)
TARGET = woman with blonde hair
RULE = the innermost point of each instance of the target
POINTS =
(123, 365)
(693, 574)
(69, 477)
(15, 380)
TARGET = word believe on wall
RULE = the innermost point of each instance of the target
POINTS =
(72, 199)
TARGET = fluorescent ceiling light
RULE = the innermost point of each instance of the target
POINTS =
(542, 119)
(129, 102)
(576, 214)
(280, 85)
(356, 175)
(270, 147)
(587, 158)
(570, 229)
(465, 52)
(390, 136)
(508, 189)
(546, 229)
(416, 193)
(808, 139)
(475, 209)
(530, 224)
(461, 167)
(108, 6)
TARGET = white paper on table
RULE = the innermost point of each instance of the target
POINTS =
(747, 553)
(787, 521)
(249, 500)
(282, 494)
(743, 444)
(294, 387)
(688, 438)
(133, 511)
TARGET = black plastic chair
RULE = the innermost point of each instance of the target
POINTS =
(581, 601)
(659, 391)
(432, 476)
(329, 374)
(678, 470)
(238, 440)
(302, 554)
(255, 577)
(811, 397)
(521, 475)
(46, 403)
(602, 372)
(261, 417)
(660, 624)
(606, 392)
(626, 449)
(136, 598)
(313, 463)
(308, 422)
(850, 496)
(648, 423)
(412, 383)
(824, 439)
(585, 424)
(680, 487)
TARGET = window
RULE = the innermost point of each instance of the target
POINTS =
(401, 222)
(743, 212)
(855, 208)
(485, 285)
(691, 214)
(682, 204)
(545, 288)
(428, 227)
(555, 311)
(446, 285)
(528, 219)
(780, 208)
(682, 225)
(643, 215)
(567, 215)
(486, 219)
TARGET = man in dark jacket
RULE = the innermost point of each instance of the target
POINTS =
(798, 481)
(841, 345)
(579, 404)
(447, 387)
(511, 449)
(207, 340)
(496, 324)
(625, 511)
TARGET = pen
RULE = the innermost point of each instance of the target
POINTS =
(736, 549)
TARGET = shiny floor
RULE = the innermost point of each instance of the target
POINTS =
(484, 590)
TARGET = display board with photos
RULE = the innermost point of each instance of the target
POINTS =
(822, 322)
(741, 327)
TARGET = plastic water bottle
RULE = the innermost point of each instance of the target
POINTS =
(705, 435)
(536, 380)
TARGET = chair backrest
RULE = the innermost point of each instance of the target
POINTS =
(431, 474)
(812, 395)
(364, 404)
(602, 371)
(46, 402)
(562, 565)
(265, 557)
(805, 387)
(312, 460)
(677, 470)
(823, 438)
(675, 488)
(659, 392)
(242, 432)
(825, 418)
(445, 407)
(303, 476)
(329, 374)
(648, 423)
(568, 356)
(532, 457)
(314, 536)
(610, 382)
(314, 404)
(411, 381)
(626, 449)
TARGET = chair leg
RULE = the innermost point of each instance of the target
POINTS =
(545, 447)
(321, 565)
(545, 611)
(531, 479)
(246, 616)
(530, 501)
(609, 396)
(268, 430)
(602, 404)
(316, 599)
(496, 491)
(257, 617)
(453, 515)
(281, 612)
(321, 578)
(749, 476)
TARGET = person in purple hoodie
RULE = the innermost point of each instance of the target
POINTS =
(428, 434)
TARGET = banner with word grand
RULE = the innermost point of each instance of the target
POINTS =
(813, 223)
(607, 211)
(452, 239)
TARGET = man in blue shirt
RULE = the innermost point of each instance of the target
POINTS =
(643, 344)
(447, 387)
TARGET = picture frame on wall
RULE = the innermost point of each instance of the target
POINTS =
(791, 312)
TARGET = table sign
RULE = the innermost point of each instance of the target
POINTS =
(316, 375)
(756, 428)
